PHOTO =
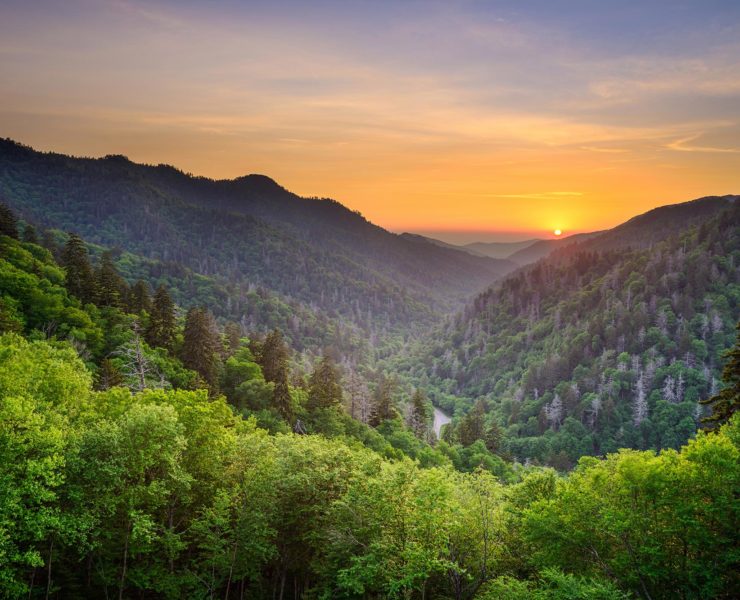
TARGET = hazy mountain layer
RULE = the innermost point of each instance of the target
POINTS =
(248, 231)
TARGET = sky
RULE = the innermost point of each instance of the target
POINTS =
(464, 120)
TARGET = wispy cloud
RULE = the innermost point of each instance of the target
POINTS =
(684, 145)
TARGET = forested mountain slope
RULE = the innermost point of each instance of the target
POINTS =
(500, 249)
(249, 232)
(590, 350)
(542, 248)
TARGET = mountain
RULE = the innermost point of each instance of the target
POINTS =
(540, 249)
(422, 238)
(500, 249)
(603, 344)
(245, 233)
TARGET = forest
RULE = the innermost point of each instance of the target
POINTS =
(158, 440)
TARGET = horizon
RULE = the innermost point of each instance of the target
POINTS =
(458, 237)
(424, 117)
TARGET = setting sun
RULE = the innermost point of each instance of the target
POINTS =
(557, 232)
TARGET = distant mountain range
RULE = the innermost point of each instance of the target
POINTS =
(244, 233)
(517, 254)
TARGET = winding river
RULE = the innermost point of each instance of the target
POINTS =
(440, 418)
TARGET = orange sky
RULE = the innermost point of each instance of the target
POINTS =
(422, 116)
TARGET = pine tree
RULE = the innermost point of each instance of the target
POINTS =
(201, 346)
(139, 299)
(29, 235)
(282, 400)
(418, 416)
(384, 404)
(160, 333)
(80, 278)
(727, 402)
(273, 358)
(324, 390)
(8, 222)
(472, 426)
(232, 338)
(109, 283)
(493, 437)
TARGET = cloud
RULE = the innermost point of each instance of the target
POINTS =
(683, 145)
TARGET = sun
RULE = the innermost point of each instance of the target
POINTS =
(557, 232)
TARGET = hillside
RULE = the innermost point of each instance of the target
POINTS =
(138, 464)
(602, 345)
(500, 249)
(542, 248)
(247, 232)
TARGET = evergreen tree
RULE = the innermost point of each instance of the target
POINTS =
(383, 402)
(29, 235)
(282, 400)
(273, 357)
(727, 402)
(324, 390)
(109, 283)
(8, 222)
(201, 346)
(160, 333)
(418, 416)
(108, 376)
(139, 299)
(472, 426)
(493, 437)
(232, 338)
(80, 277)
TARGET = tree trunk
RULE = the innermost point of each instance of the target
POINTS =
(48, 572)
(282, 584)
(231, 572)
(125, 563)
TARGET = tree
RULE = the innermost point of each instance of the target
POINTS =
(137, 368)
(418, 416)
(493, 437)
(160, 333)
(727, 402)
(358, 397)
(29, 235)
(324, 390)
(139, 299)
(384, 403)
(202, 345)
(109, 283)
(232, 338)
(8, 222)
(108, 376)
(472, 427)
(273, 359)
(639, 404)
(80, 278)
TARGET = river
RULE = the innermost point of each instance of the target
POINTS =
(440, 418)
